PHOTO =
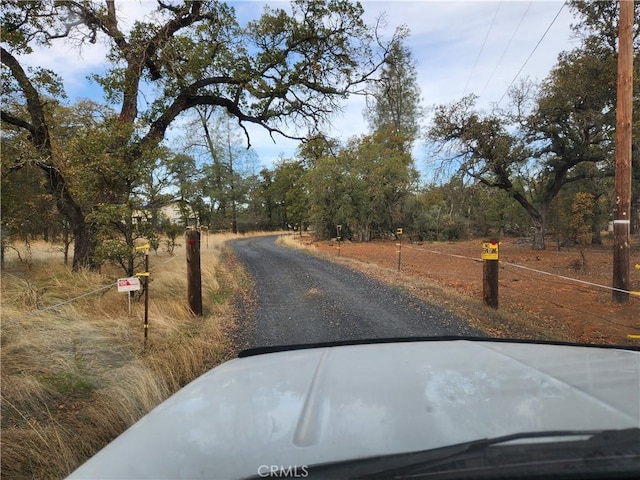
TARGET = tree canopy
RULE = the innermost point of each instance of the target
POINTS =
(395, 97)
(554, 134)
(284, 71)
(107, 168)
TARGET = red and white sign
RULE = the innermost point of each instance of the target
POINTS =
(130, 284)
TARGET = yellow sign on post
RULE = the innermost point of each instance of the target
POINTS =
(489, 250)
(146, 247)
(490, 271)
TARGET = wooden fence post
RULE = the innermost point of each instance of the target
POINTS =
(194, 276)
(490, 273)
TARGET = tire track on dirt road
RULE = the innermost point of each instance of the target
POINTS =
(300, 298)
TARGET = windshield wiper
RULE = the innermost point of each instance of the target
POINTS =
(571, 453)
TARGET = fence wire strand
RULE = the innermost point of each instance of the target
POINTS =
(564, 278)
(542, 272)
(58, 305)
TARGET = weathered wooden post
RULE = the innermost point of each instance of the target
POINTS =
(490, 273)
(206, 229)
(194, 276)
(399, 245)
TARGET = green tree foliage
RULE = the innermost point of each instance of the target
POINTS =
(282, 71)
(27, 210)
(185, 176)
(395, 97)
(559, 219)
(103, 181)
(597, 25)
(363, 187)
(24, 113)
(263, 209)
(104, 168)
(533, 155)
(598, 29)
(226, 170)
(331, 196)
(318, 146)
(288, 193)
(429, 216)
(582, 214)
(455, 210)
(558, 135)
(487, 151)
(153, 188)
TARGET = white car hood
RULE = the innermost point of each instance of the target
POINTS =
(302, 407)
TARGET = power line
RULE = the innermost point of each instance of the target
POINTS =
(532, 52)
(513, 35)
(481, 48)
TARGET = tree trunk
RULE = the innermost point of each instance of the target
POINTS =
(538, 233)
(537, 217)
(85, 242)
(85, 236)
(66, 241)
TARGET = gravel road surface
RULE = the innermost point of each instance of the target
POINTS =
(300, 298)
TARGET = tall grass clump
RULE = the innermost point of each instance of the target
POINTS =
(75, 376)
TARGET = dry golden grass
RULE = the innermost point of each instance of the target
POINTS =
(75, 376)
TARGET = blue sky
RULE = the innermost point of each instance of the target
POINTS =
(460, 48)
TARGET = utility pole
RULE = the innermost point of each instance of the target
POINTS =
(622, 195)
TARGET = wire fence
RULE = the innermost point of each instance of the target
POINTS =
(513, 268)
(35, 313)
(557, 279)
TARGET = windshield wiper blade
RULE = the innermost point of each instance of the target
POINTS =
(613, 451)
(601, 435)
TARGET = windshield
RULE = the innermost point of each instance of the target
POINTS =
(389, 227)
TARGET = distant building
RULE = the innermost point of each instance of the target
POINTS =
(171, 212)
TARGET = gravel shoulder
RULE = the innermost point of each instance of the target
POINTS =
(300, 298)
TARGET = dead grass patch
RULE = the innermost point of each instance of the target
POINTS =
(75, 376)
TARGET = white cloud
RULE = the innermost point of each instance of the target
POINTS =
(446, 39)
(449, 38)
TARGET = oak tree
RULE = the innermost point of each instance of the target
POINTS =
(285, 71)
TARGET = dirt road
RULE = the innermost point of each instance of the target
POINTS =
(300, 298)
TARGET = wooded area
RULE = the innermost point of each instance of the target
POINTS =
(98, 174)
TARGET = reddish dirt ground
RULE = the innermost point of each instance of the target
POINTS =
(531, 304)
